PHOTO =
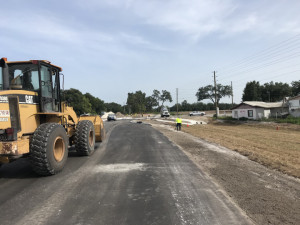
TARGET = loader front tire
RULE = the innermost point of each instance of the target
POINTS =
(85, 138)
(49, 149)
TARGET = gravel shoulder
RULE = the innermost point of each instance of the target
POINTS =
(267, 196)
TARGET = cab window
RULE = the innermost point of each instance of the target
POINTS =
(24, 76)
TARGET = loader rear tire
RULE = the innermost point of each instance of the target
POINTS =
(85, 138)
(49, 149)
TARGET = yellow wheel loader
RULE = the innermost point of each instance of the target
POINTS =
(35, 123)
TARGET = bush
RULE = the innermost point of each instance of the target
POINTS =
(288, 119)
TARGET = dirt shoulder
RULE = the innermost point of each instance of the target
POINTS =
(275, 146)
(266, 195)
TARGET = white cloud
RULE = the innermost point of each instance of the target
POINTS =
(199, 18)
(140, 41)
(45, 27)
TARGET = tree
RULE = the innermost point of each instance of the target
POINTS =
(78, 101)
(199, 106)
(97, 105)
(165, 96)
(156, 96)
(137, 101)
(274, 92)
(296, 88)
(185, 106)
(150, 103)
(208, 92)
(252, 91)
(114, 107)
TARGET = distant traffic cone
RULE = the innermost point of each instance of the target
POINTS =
(187, 125)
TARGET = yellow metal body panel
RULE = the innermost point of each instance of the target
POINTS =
(31, 118)
(15, 148)
(70, 113)
(28, 118)
(9, 148)
(4, 116)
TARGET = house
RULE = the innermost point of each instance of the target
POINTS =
(294, 106)
(258, 110)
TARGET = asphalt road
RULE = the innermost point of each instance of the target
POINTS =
(135, 177)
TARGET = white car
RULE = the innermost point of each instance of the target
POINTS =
(164, 112)
(197, 113)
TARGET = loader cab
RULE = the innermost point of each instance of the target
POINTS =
(38, 76)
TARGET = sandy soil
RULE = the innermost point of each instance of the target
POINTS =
(266, 195)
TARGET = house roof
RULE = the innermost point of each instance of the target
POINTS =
(267, 105)
(295, 98)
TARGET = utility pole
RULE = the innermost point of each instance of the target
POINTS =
(216, 102)
(231, 95)
(177, 100)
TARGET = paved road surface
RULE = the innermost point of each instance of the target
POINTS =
(136, 177)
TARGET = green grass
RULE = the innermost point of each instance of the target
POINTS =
(289, 119)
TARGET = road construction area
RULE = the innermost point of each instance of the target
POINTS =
(145, 172)
(262, 190)
(136, 176)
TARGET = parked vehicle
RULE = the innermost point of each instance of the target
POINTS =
(164, 112)
(111, 117)
(197, 113)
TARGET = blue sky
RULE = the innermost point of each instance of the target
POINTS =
(111, 47)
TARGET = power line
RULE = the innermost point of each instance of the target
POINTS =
(266, 64)
(241, 67)
(276, 46)
(276, 76)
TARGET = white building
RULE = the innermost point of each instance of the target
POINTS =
(294, 106)
(258, 110)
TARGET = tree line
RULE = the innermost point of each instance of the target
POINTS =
(87, 103)
(270, 92)
(200, 106)
(139, 102)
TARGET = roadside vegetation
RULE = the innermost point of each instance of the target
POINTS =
(87, 103)
(289, 119)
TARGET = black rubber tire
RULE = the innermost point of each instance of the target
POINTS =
(43, 157)
(85, 138)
